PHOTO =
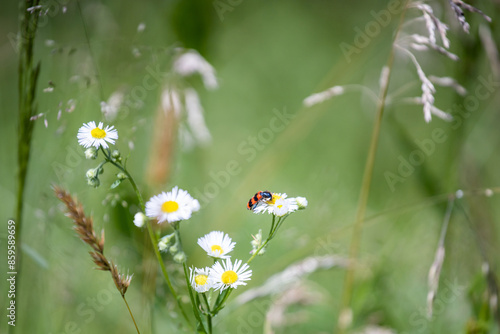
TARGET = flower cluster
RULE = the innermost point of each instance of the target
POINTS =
(178, 205)
(224, 274)
(280, 206)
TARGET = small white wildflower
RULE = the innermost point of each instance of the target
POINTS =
(279, 205)
(91, 135)
(141, 27)
(91, 153)
(227, 275)
(92, 173)
(173, 206)
(216, 244)
(199, 279)
(301, 202)
(140, 219)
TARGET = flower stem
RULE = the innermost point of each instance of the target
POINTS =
(152, 236)
(196, 310)
(209, 315)
(128, 307)
(365, 189)
(28, 74)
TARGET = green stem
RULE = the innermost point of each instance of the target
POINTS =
(257, 251)
(27, 84)
(128, 307)
(272, 231)
(152, 236)
(209, 315)
(365, 188)
(196, 309)
(220, 305)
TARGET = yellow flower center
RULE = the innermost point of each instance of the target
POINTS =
(217, 248)
(201, 279)
(279, 206)
(272, 201)
(229, 277)
(98, 133)
(169, 206)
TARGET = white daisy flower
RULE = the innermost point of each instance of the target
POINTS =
(139, 219)
(216, 244)
(227, 275)
(301, 202)
(91, 135)
(172, 206)
(279, 205)
(199, 279)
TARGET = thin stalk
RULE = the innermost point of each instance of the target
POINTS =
(128, 307)
(196, 310)
(152, 236)
(85, 29)
(365, 188)
(257, 251)
(27, 83)
(221, 304)
(209, 315)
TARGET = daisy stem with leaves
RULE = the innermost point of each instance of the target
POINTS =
(152, 236)
(275, 225)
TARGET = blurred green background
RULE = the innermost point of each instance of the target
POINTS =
(269, 55)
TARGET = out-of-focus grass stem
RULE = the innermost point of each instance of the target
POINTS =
(27, 83)
(345, 311)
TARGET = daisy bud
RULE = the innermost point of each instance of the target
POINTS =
(256, 240)
(91, 173)
(261, 252)
(174, 249)
(115, 155)
(121, 176)
(162, 246)
(94, 182)
(91, 153)
(301, 202)
(180, 257)
(139, 219)
(164, 243)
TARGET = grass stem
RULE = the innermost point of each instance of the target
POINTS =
(342, 323)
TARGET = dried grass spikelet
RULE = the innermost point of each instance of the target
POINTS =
(437, 264)
(164, 134)
(458, 7)
(84, 228)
